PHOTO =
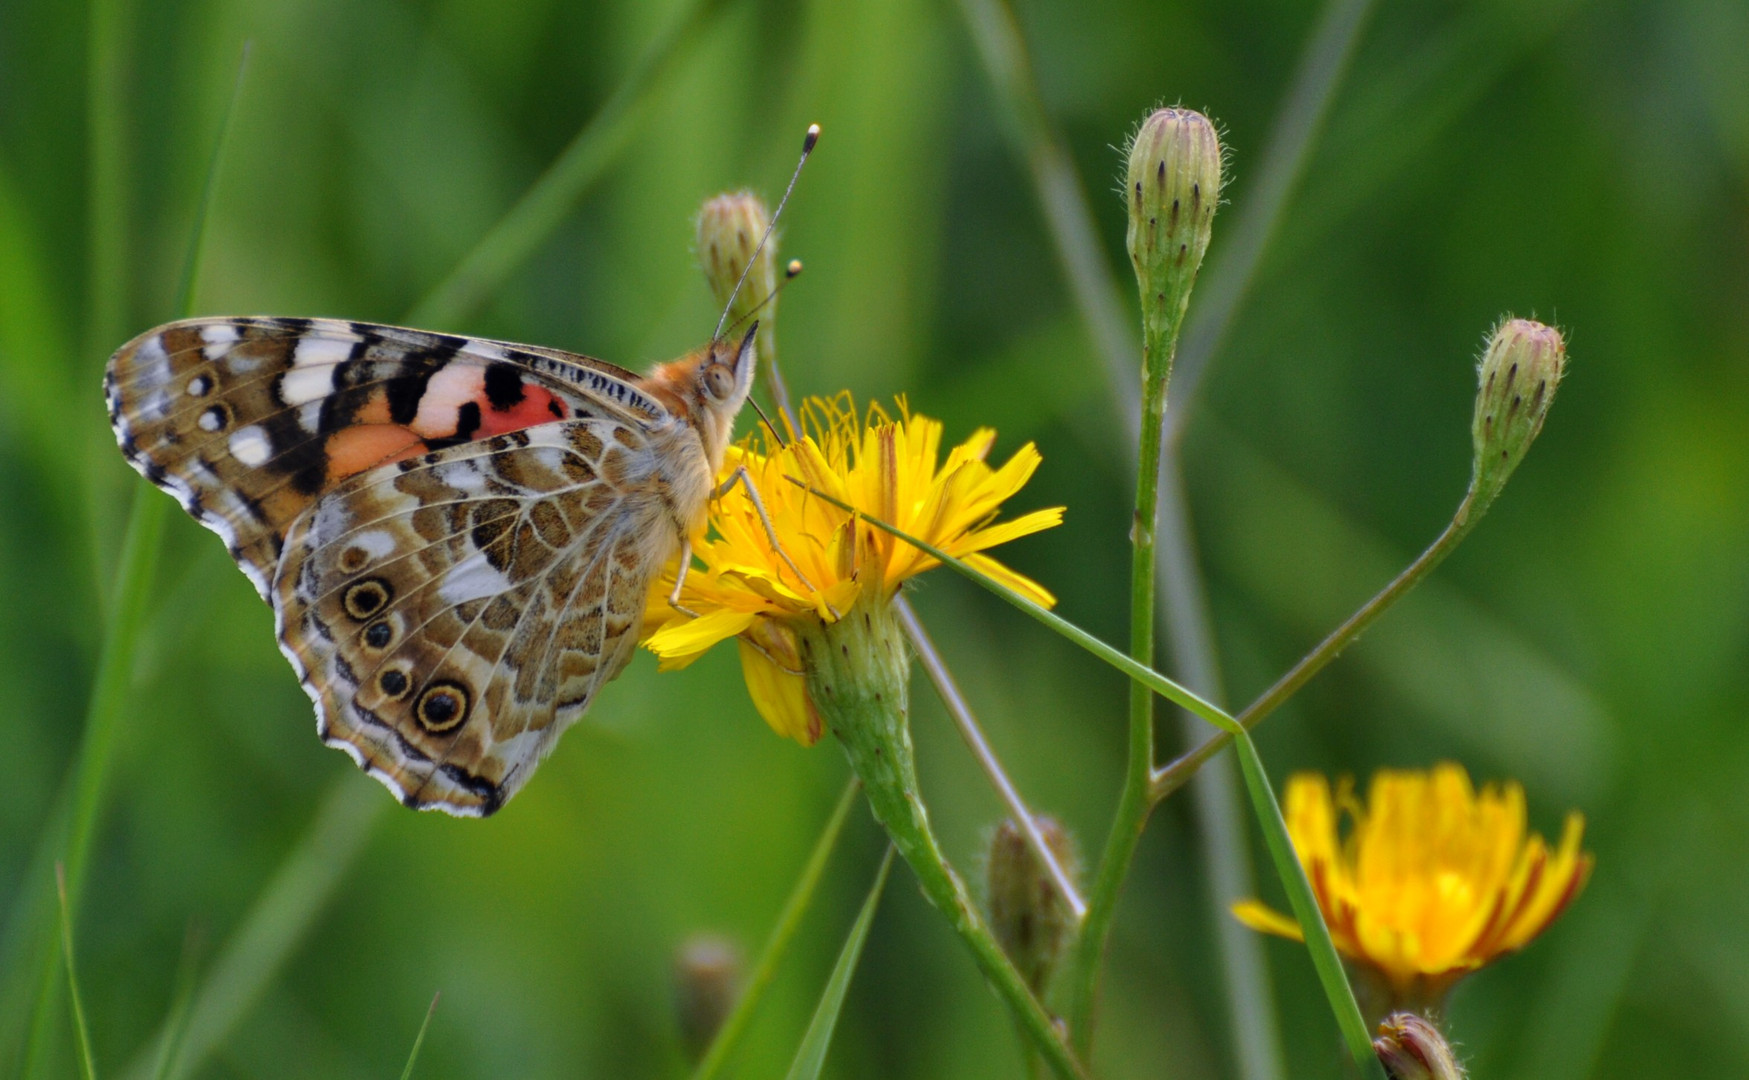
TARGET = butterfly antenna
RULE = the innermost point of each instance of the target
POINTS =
(790, 273)
(808, 141)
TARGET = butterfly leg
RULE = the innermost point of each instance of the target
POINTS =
(740, 476)
(680, 579)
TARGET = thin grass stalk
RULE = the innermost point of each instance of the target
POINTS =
(82, 1033)
(1061, 196)
(181, 997)
(1159, 683)
(419, 1039)
(543, 207)
(811, 1054)
(1219, 815)
(789, 920)
(1298, 123)
(964, 719)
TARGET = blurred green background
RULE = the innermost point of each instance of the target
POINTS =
(1586, 161)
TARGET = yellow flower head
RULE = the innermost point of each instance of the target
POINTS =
(887, 468)
(1432, 881)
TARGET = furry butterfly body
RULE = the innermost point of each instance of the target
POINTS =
(456, 535)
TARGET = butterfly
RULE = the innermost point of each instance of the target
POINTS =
(456, 535)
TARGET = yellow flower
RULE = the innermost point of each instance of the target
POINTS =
(1433, 880)
(890, 469)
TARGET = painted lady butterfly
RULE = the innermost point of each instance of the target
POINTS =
(456, 535)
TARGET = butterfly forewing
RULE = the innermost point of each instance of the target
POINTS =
(456, 535)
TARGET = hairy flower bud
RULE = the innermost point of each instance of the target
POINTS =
(707, 980)
(1029, 914)
(729, 229)
(1410, 1048)
(1519, 372)
(1172, 187)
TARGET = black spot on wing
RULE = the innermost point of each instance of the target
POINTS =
(467, 421)
(504, 389)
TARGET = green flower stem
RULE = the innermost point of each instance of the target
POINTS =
(1305, 905)
(858, 672)
(788, 921)
(1159, 340)
(967, 723)
(1173, 776)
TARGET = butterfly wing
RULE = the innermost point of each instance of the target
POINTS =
(456, 535)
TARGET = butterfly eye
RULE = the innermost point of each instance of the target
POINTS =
(719, 381)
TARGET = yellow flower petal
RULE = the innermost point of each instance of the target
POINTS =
(780, 696)
(684, 639)
(1261, 917)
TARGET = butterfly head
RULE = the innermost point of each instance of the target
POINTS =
(712, 385)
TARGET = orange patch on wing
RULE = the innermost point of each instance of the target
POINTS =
(355, 449)
(538, 406)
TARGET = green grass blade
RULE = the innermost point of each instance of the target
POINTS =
(543, 207)
(87, 1063)
(203, 207)
(1305, 905)
(176, 1023)
(278, 921)
(419, 1039)
(811, 1055)
(801, 897)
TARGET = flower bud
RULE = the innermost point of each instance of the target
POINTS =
(1172, 187)
(729, 230)
(1517, 379)
(1029, 914)
(707, 980)
(1410, 1048)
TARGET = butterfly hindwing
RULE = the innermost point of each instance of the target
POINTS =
(451, 614)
